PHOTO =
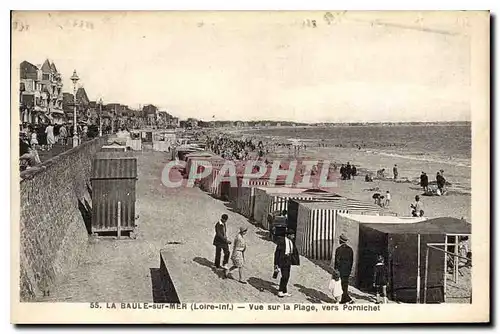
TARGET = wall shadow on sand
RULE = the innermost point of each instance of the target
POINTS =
(314, 296)
(86, 212)
(209, 264)
(158, 288)
(263, 285)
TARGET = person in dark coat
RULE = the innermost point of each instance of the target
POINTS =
(424, 182)
(380, 279)
(343, 263)
(348, 171)
(441, 181)
(286, 255)
(221, 242)
(342, 172)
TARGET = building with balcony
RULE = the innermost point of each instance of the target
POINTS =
(82, 105)
(174, 122)
(51, 85)
(150, 114)
(192, 122)
(41, 98)
(32, 102)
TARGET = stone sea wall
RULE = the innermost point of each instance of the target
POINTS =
(55, 205)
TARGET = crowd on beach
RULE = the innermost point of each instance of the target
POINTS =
(417, 206)
(232, 148)
(286, 255)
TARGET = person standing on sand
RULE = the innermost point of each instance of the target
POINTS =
(424, 182)
(286, 255)
(238, 256)
(417, 208)
(335, 287)
(441, 181)
(343, 263)
(221, 242)
(395, 172)
(387, 199)
(348, 171)
(380, 279)
(354, 172)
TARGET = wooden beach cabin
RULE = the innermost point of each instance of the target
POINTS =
(147, 139)
(348, 224)
(197, 156)
(114, 177)
(317, 224)
(163, 140)
(114, 147)
(243, 180)
(183, 150)
(404, 247)
(210, 185)
(135, 140)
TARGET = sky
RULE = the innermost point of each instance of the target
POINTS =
(351, 67)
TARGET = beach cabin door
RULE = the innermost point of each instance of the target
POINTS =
(402, 256)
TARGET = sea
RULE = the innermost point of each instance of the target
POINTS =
(414, 147)
(439, 143)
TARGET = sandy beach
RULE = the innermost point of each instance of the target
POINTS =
(456, 203)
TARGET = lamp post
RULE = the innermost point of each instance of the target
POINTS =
(113, 120)
(75, 79)
(100, 117)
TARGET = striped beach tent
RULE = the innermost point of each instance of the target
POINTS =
(293, 205)
(317, 222)
(263, 196)
(268, 200)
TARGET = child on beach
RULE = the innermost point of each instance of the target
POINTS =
(380, 278)
(387, 198)
(335, 286)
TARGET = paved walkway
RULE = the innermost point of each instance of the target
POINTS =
(182, 221)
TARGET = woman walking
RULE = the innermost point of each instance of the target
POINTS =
(238, 256)
(33, 138)
(51, 139)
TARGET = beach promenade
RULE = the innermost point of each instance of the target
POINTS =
(181, 221)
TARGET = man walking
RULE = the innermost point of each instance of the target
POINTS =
(221, 242)
(343, 263)
(424, 182)
(286, 255)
